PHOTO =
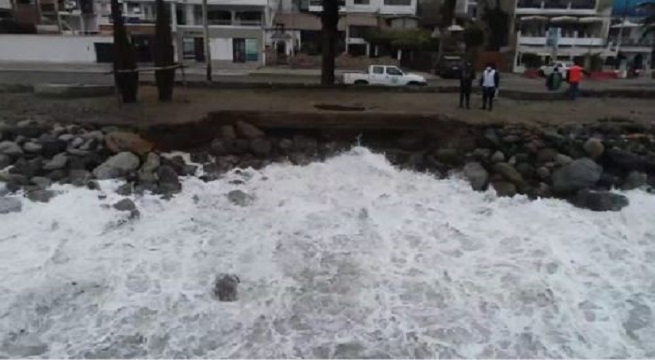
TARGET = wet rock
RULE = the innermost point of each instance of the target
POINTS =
(200, 157)
(218, 147)
(52, 147)
(66, 137)
(599, 200)
(306, 144)
(120, 141)
(240, 198)
(56, 175)
(629, 161)
(481, 154)
(126, 189)
(125, 205)
(508, 172)
(492, 137)
(32, 147)
(543, 172)
(504, 188)
(117, 166)
(411, 141)
(640, 316)
(477, 175)
(635, 180)
(580, 174)
(562, 160)
(33, 130)
(10, 148)
(5, 160)
(79, 177)
(42, 182)
(168, 181)
(57, 162)
(498, 156)
(9, 205)
(511, 139)
(594, 148)
(261, 147)
(227, 132)
(285, 146)
(225, 287)
(28, 168)
(248, 131)
(42, 196)
(546, 155)
(448, 156)
(526, 170)
(146, 172)
(78, 141)
(95, 134)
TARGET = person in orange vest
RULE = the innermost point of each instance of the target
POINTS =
(574, 76)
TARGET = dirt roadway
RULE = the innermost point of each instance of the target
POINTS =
(194, 104)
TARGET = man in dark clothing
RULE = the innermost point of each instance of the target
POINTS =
(466, 77)
(489, 82)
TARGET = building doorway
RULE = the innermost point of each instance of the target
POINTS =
(239, 50)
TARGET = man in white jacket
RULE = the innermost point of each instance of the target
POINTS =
(489, 82)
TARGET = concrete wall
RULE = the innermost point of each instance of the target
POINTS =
(50, 48)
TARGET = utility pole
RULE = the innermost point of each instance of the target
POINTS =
(208, 57)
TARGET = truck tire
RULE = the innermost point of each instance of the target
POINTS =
(361, 82)
(414, 84)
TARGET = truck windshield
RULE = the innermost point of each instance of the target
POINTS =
(394, 71)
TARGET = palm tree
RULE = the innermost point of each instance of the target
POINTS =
(329, 20)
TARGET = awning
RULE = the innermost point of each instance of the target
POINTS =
(625, 24)
(455, 27)
(564, 19)
(534, 18)
(591, 19)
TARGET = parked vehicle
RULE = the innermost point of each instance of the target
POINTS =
(546, 70)
(384, 75)
(449, 67)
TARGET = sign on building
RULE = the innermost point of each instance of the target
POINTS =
(552, 36)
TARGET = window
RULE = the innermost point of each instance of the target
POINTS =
(361, 2)
(398, 2)
(394, 71)
(378, 70)
(359, 31)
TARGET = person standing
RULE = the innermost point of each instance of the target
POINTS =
(466, 77)
(574, 77)
(489, 81)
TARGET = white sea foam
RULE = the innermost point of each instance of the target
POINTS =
(347, 258)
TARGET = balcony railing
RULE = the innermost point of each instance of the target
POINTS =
(572, 39)
(629, 41)
(556, 4)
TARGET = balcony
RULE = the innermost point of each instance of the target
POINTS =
(575, 7)
(573, 40)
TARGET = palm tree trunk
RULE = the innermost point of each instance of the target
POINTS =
(330, 20)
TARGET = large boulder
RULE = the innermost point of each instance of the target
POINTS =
(5, 160)
(40, 195)
(119, 141)
(116, 166)
(52, 147)
(477, 175)
(28, 168)
(261, 147)
(509, 173)
(147, 170)
(629, 161)
(10, 148)
(9, 205)
(504, 188)
(634, 180)
(594, 148)
(599, 200)
(248, 131)
(57, 162)
(580, 174)
(240, 198)
(168, 180)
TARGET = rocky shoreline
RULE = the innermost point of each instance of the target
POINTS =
(579, 163)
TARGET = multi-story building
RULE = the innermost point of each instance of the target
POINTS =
(577, 28)
(629, 46)
(237, 28)
(297, 23)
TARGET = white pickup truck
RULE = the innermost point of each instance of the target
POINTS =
(384, 75)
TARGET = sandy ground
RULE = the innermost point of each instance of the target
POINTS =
(194, 104)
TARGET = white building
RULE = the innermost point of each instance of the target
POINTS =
(237, 28)
(298, 24)
(628, 46)
(582, 27)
